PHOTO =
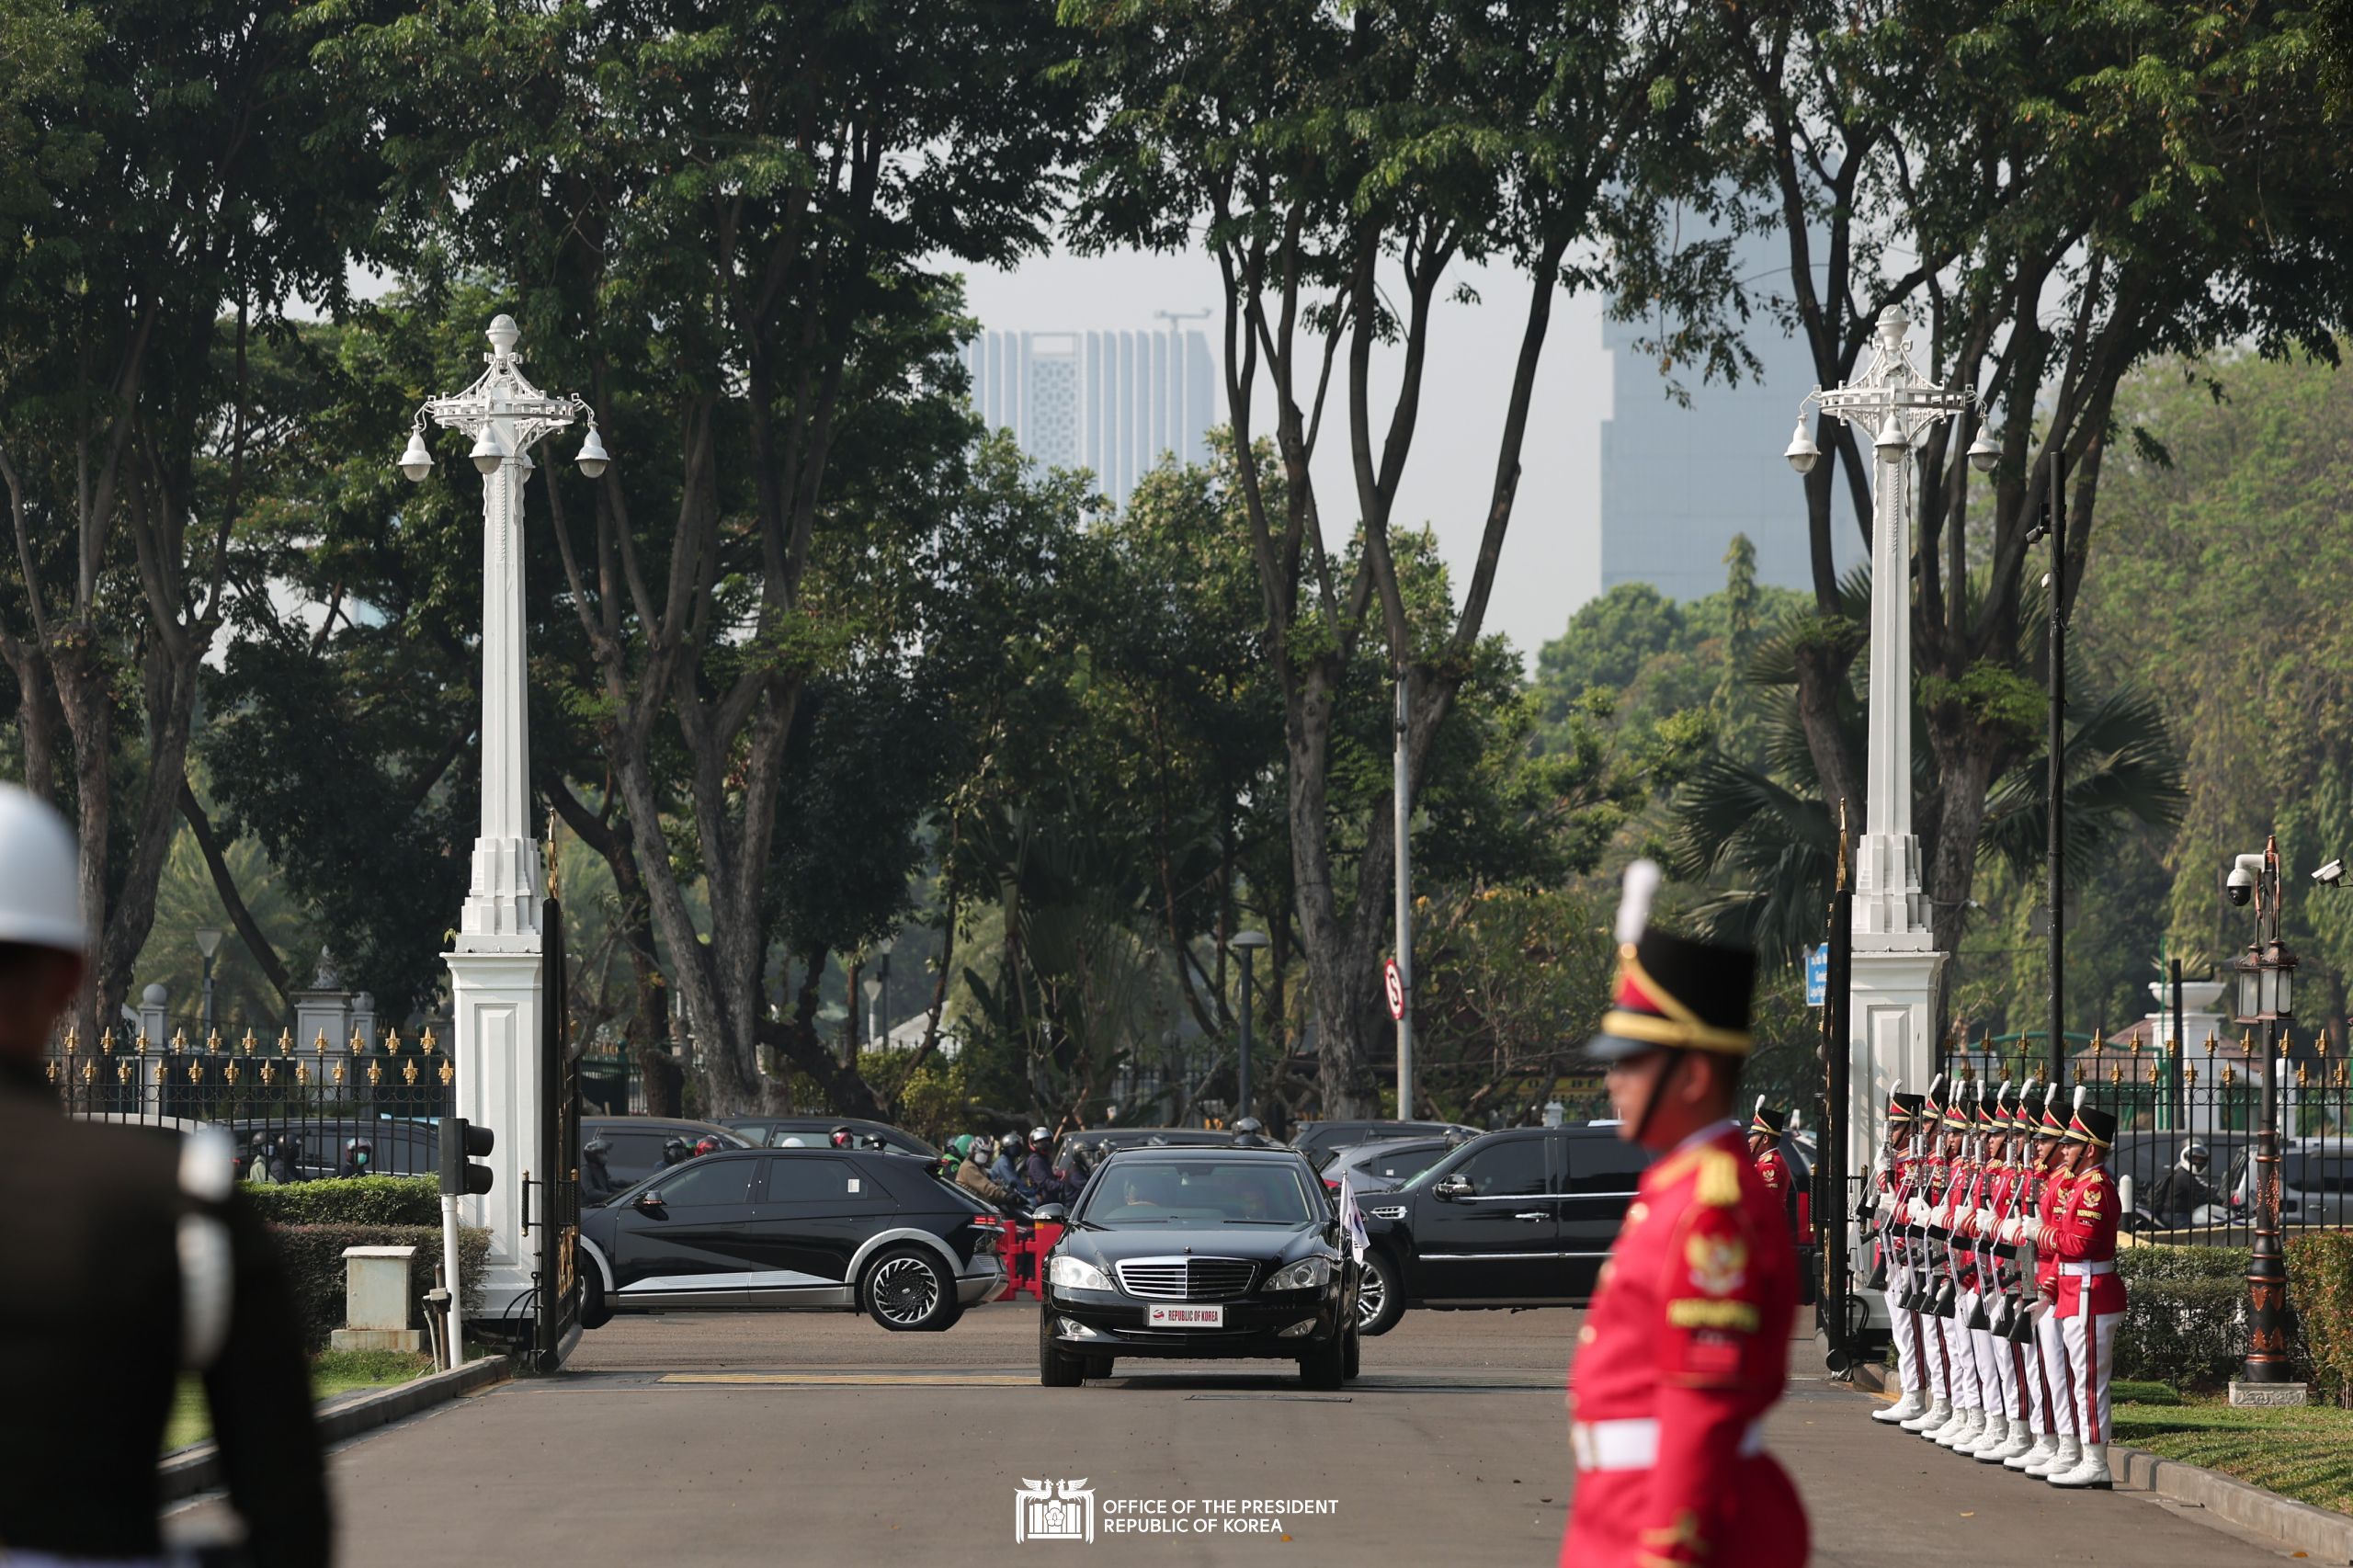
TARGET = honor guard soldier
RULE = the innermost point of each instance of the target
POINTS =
(2066, 1450)
(2081, 1233)
(1685, 1346)
(1930, 1305)
(1765, 1128)
(1894, 1267)
(131, 1260)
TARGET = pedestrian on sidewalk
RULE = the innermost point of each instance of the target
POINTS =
(1687, 1343)
(132, 1258)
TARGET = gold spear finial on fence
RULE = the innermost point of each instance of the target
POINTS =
(319, 1046)
(140, 1044)
(286, 1043)
(179, 1040)
(106, 1042)
(391, 1041)
(250, 1043)
(555, 864)
(73, 1041)
(212, 1041)
(375, 1073)
(408, 1073)
(354, 1044)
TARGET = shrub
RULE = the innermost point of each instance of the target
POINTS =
(348, 1200)
(313, 1258)
(2320, 1287)
(2185, 1321)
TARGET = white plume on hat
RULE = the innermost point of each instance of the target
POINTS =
(1642, 880)
(41, 875)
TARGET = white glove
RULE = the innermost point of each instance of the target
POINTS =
(2010, 1230)
(1918, 1212)
(1986, 1220)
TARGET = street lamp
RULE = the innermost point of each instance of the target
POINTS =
(878, 995)
(207, 944)
(2266, 974)
(1244, 944)
(1894, 959)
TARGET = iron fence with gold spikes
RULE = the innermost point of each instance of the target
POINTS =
(2169, 1095)
(297, 1110)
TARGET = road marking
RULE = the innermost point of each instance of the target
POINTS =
(858, 1380)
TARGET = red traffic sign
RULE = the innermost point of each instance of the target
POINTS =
(1394, 983)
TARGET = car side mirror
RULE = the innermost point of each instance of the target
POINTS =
(650, 1200)
(1453, 1186)
(1049, 1213)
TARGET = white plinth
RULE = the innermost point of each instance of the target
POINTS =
(1892, 1038)
(497, 998)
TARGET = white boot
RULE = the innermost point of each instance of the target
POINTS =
(1955, 1418)
(1939, 1412)
(2092, 1473)
(2045, 1448)
(1914, 1403)
(2020, 1444)
(1996, 1435)
(1964, 1430)
(2070, 1454)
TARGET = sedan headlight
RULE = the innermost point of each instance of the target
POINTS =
(1307, 1274)
(1076, 1274)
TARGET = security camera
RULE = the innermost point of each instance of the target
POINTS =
(2239, 885)
(2328, 876)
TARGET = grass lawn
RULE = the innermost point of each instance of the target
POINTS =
(333, 1372)
(2305, 1454)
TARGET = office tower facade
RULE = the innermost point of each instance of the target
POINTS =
(1678, 482)
(1113, 403)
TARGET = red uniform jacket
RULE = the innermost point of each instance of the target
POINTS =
(1685, 1347)
(2083, 1230)
(1774, 1172)
(2046, 1262)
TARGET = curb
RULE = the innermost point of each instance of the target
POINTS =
(2327, 1537)
(192, 1470)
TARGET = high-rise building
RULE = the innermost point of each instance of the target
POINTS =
(1114, 403)
(1678, 482)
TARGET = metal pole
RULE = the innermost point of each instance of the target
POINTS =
(2178, 1045)
(1831, 1206)
(1242, 1063)
(1406, 1098)
(208, 997)
(2057, 786)
(450, 1264)
(2266, 1273)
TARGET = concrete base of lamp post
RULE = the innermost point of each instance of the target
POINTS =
(497, 1056)
(2270, 1393)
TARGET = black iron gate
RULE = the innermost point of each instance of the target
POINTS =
(558, 1153)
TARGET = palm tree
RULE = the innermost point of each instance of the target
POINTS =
(1765, 838)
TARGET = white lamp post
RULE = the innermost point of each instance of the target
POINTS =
(207, 944)
(495, 969)
(1894, 962)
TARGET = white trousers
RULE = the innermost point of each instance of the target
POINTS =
(2050, 1338)
(1931, 1352)
(2091, 1345)
(1904, 1327)
(1961, 1357)
(2027, 1360)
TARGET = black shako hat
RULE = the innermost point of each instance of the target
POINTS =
(1672, 992)
(1764, 1121)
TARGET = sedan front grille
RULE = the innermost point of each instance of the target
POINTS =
(1187, 1278)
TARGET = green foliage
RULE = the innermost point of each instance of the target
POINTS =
(2182, 1324)
(2298, 1453)
(1511, 981)
(313, 1256)
(348, 1200)
(2320, 1287)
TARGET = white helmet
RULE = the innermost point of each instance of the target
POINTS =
(41, 875)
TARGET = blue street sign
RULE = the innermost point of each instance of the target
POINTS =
(1817, 975)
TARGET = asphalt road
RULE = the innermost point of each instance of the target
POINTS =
(764, 1440)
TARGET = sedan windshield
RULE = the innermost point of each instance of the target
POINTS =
(1200, 1192)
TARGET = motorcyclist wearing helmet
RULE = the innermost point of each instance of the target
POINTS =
(358, 1158)
(709, 1143)
(675, 1152)
(1037, 1169)
(843, 1137)
(972, 1173)
(1005, 1169)
(2185, 1189)
(1250, 1133)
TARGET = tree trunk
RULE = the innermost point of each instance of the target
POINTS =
(1821, 680)
(1951, 819)
(249, 931)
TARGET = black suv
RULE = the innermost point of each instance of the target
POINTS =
(1520, 1218)
(808, 1230)
(1199, 1252)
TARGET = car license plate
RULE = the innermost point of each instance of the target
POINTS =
(1157, 1317)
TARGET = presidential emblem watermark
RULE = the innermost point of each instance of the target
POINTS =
(1069, 1511)
(1053, 1510)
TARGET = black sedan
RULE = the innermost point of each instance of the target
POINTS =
(792, 1229)
(1199, 1253)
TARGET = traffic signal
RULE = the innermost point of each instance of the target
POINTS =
(462, 1143)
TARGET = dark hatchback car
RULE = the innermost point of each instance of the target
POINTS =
(1199, 1253)
(1390, 1163)
(1319, 1141)
(813, 1229)
(770, 1132)
(1520, 1218)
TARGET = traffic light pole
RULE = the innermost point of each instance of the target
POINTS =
(450, 1268)
(2056, 786)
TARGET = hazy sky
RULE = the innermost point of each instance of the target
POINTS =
(1552, 559)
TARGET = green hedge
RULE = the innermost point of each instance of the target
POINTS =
(350, 1200)
(314, 1256)
(2185, 1322)
(2320, 1287)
